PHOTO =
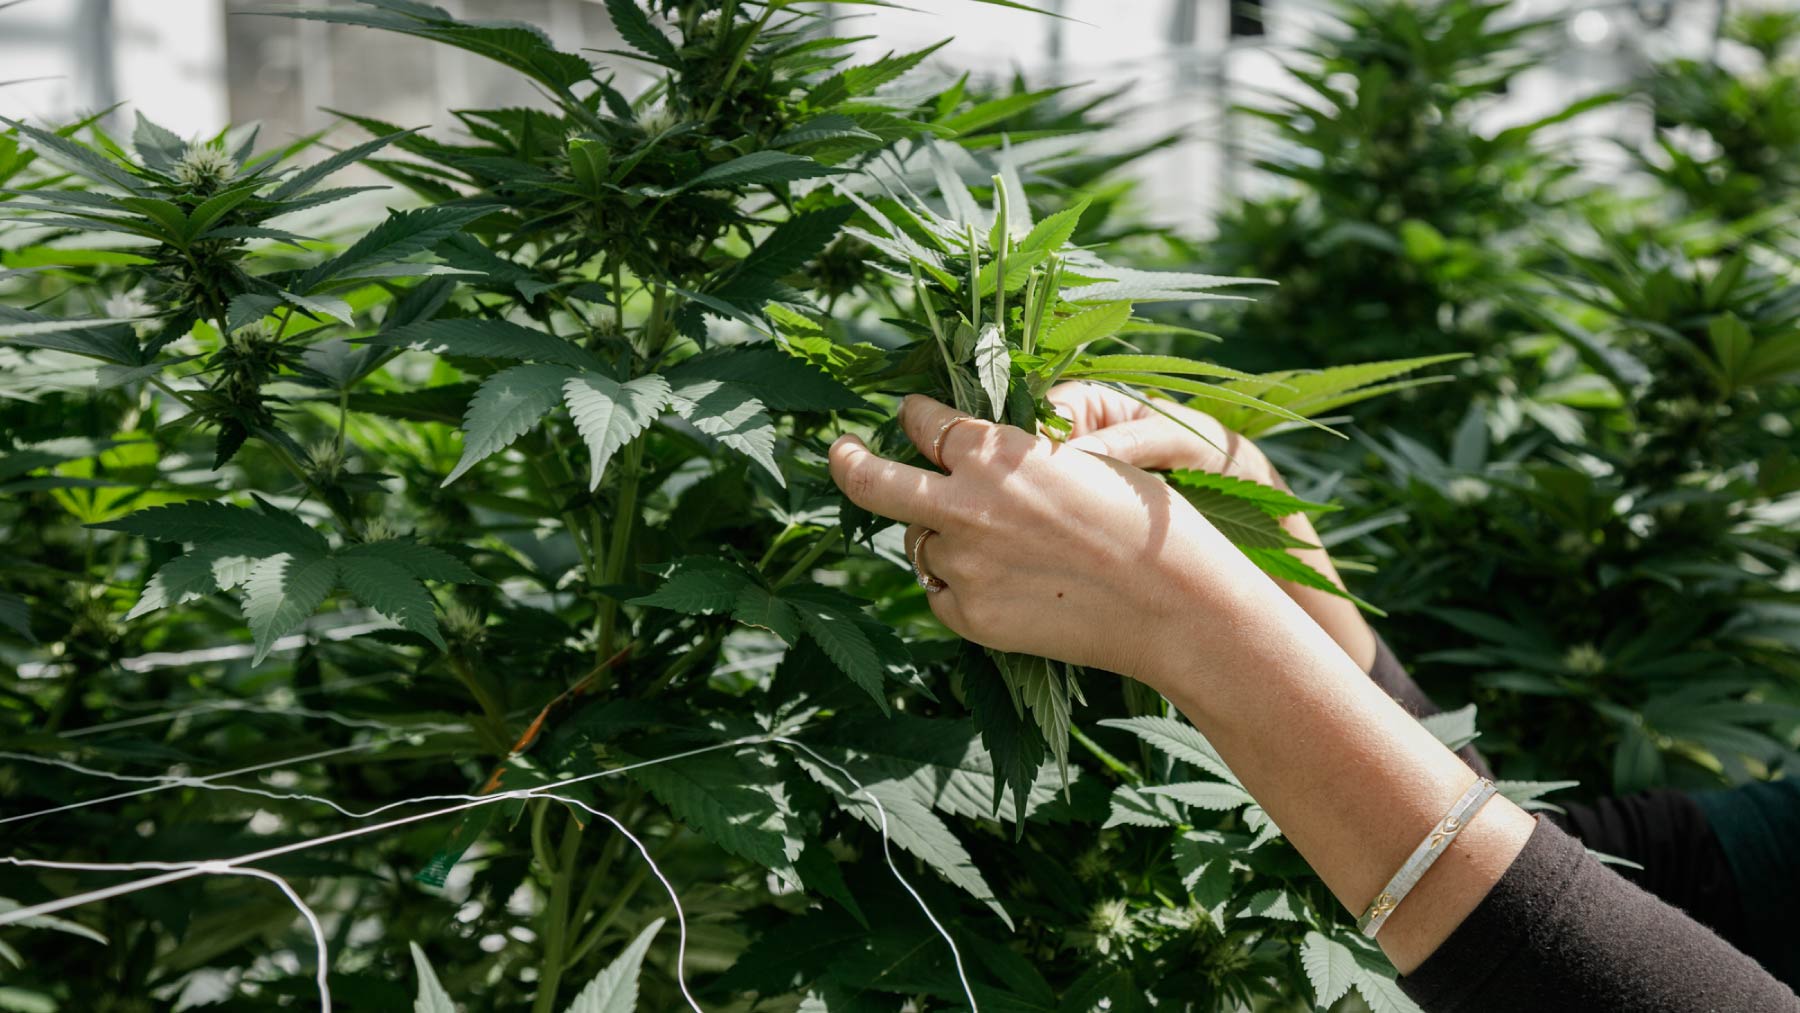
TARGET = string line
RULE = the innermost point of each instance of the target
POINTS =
(177, 871)
(214, 869)
(167, 781)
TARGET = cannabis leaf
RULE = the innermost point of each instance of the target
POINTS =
(615, 989)
(609, 414)
(507, 405)
(432, 997)
(736, 800)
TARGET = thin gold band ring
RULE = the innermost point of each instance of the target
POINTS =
(937, 442)
(926, 580)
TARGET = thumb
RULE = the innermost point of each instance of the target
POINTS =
(1151, 443)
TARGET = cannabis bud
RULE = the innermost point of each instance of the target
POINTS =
(659, 119)
(464, 624)
(325, 462)
(132, 305)
(251, 336)
(205, 168)
(380, 529)
(1585, 659)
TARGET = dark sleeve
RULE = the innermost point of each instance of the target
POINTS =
(1390, 675)
(1667, 833)
(1756, 826)
(1560, 932)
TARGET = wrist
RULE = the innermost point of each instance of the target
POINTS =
(1211, 610)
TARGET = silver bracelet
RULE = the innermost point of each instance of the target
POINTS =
(1426, 853)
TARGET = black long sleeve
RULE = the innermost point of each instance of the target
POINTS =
(1560, 932)
(1667, 833)
(1391, 676)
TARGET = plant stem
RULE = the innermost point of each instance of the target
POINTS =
(1108, 760)
(737, 60)
(556, 919)
(624, 518)
(818, 548)
(490, 707)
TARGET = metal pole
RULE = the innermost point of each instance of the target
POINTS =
(94, 59)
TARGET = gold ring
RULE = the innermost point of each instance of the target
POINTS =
(926, 580)
(937, 442)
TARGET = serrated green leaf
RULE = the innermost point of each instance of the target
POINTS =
(281, 593)
(757, 606)
(1041, 688)
(1284, 565)
(736, 799)
(403, 234)
(1378, 988)
(852, 82)
(609, 414)
(835, 621)
(780, 381)
(912, 827)
(390, 590)
(635, 28)
(615, 989)
(1455, 729)
(1090, 324)
(432, 998)
(729, 413)
(209, 567)
(1133, 808)
(1279, 904)
(1168, 365)
(1207, 795)
(1054, 232)
(699, 585)
(1243, 521)
(1270, 500)
(1330, 966)
(205, 521)
(759, 168)
(993, 367)
(506, 406)
(791, 244)
(486, 339)
(1178, 739)
(420, 561)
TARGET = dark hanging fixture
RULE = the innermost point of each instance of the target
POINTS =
(1246, 18)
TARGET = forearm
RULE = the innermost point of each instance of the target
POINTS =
(1352, 780)
(1335, 614)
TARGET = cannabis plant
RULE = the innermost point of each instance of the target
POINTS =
(497, 531)
(1394, 221)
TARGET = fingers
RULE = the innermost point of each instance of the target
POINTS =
(886, 487)
(1159, 444)
(944, 602)
(1089, 406)
(924, 420)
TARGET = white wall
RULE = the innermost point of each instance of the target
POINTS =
(166, 56)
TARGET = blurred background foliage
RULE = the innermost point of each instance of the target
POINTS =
(1590, 533)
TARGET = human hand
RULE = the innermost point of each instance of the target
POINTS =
(1106, 421)
(1048, 550)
